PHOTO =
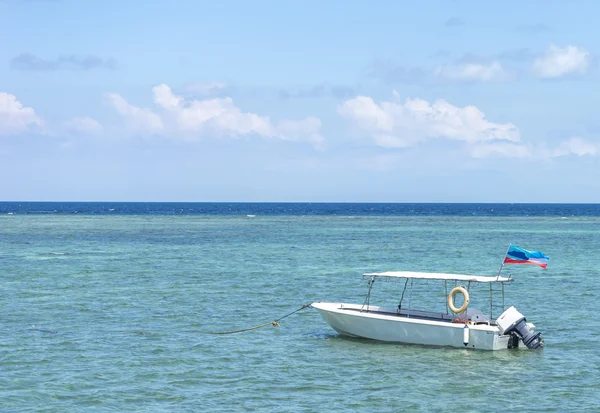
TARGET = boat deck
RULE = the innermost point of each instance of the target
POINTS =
(416, 314)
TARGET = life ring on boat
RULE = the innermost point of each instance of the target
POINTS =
(463, 307)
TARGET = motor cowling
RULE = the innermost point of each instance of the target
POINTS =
(513, 322)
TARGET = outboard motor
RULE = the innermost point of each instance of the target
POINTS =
(513, 322)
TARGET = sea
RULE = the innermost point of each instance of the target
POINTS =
(108, 307)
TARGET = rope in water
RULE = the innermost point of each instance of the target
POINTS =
(274, 323)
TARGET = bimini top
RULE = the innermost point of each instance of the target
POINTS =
(438, 276)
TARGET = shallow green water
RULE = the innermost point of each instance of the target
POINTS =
(109, 313)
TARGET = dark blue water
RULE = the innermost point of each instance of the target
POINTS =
(298, 209)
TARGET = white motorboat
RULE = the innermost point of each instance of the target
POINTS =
(456, 327)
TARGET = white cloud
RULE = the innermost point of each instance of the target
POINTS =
(572, 146)
(139, 119)
(559, 61)
(473, 72)
(396, 124)
(215, 117)
(575, 146)
(84, 124)
(14, 118)
(164, 97)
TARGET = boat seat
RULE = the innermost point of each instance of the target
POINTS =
(476, 316)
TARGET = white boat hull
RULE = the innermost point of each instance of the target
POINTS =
(414, 327)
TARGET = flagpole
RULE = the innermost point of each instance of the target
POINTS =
(503, 258)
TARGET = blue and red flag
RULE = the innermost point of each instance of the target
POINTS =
(516, 255)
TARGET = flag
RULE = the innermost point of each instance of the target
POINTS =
(516, 255)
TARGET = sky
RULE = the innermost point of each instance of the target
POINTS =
(299, 101)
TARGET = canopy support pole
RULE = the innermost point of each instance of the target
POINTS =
(368, 297)
(402, 297)
(446, 296)
(491, 305)
(410, 298)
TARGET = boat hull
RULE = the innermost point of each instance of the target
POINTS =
(422, 328)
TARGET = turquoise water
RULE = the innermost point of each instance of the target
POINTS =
(110, 313)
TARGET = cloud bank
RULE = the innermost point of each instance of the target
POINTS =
(576, 146)
(560, 61)
(218, 117)
(14, 117)
(398, 125)
(390, 124)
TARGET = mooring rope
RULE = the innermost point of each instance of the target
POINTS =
(274, 323)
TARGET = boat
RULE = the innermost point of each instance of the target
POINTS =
(458, 326)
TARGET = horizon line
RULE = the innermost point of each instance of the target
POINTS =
(312, 202)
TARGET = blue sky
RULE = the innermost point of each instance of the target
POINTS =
(387, 101)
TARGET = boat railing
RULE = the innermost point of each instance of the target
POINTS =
(405, 276)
